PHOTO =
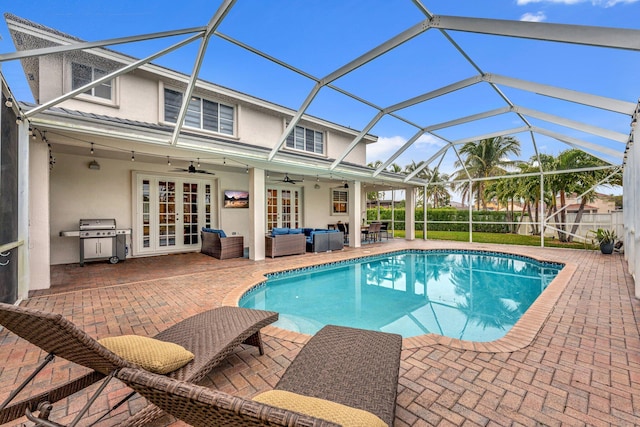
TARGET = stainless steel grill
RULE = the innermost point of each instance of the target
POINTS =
(99, 239)
(97, 228)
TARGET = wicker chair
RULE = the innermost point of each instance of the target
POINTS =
(353, 367)
(222, 247)
(211, 336)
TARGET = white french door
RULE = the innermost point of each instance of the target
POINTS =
(170, 211)
(284, 207)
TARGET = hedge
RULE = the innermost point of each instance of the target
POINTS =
(448, 219)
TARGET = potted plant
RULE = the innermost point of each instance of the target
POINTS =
(606, 239)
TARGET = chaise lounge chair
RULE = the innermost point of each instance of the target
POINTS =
(354, 368)
(210, 336)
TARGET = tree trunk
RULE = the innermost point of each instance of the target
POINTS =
(536, 228)
(512, 227)
(574, 228)
(563, 218)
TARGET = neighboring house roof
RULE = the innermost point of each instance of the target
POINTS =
(574, 207)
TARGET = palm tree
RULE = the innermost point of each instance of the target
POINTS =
(374, 196)
(424, 174)
(504, 191)
(395, 168)
(438, 189)
(486, 158)
(578, 183)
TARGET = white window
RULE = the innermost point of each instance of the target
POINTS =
(305, 139)
(201, 113)
(339, 201)
(84, 74)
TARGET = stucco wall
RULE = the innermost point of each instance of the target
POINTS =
(79, 192)
(138, 97)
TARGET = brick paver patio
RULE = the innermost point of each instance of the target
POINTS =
(573, 361)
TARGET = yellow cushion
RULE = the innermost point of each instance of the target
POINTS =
(320, 408)
(153, 355)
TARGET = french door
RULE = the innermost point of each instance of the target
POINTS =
(284, 207)
(170, 213)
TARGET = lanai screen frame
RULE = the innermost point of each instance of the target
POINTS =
(612, 38)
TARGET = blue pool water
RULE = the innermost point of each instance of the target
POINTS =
(469, 295)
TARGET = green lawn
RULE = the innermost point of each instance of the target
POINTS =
(508, 239)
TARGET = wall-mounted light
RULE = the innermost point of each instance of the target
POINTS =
(93, 165)
(133, 157)
(92, 150)
(198, 161)
(317, 186)
(9, 102)
(168, 161)
(346, 185)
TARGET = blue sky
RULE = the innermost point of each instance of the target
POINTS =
(320, 36)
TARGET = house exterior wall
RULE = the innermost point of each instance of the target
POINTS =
(139, 96)
(79, 192)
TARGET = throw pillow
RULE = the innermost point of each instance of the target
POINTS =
(320, 408)
(156, 356)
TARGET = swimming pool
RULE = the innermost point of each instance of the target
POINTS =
(468, 295)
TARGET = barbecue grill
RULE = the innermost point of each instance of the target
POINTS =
(99, 239)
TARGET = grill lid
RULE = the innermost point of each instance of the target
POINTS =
(98, 224)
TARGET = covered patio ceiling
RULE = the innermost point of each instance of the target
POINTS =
(498, 73)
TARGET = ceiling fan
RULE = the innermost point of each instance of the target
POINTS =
(285, 179)
(192, 169)
(288, 180)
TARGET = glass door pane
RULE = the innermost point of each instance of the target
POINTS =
(190, 213)
(272, 208)
(166, 213)
(146, 214)
(285, 211)
(283, 208)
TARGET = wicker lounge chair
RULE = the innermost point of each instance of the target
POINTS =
(210, 336)
(353, 367)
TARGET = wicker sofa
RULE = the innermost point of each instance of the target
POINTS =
(321, 240)
(352, 367)
(218, 245)
(285, 241)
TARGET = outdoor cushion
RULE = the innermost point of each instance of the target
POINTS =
(320, 408)
(153, 355)
(279, 231)
(213, 230)
(295, 231)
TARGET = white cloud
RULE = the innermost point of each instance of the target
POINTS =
(388, 145)
(534, 17)
(384, 148)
